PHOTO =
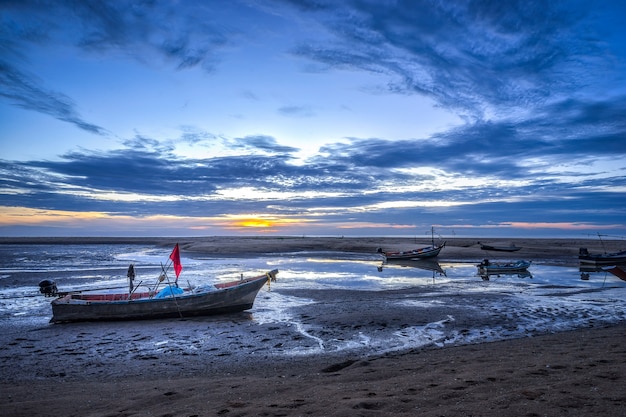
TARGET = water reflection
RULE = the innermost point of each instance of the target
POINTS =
(618, 271)
(313, 270)
(493, 275)
(425, 264)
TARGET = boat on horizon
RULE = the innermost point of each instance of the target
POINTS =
(496, 248)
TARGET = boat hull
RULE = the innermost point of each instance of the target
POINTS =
(500, 248)
(610, 259)
(235, 297)
(423, 253)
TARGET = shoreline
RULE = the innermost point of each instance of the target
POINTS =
(557, 252)
(577, 373)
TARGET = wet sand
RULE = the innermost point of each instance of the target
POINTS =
(580, 373)
(104, 369)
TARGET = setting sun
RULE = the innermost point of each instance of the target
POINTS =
(262, 223)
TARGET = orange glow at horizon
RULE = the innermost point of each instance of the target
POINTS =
(254, 223)
(26, 216)
(23, 216)
(259, 222)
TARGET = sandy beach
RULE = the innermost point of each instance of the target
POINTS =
(577, 373)
(89, 369)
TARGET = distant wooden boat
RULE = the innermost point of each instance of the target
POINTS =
(172, 301)
(601, 258)
(487, 267)
(510, 248)
(421, 253)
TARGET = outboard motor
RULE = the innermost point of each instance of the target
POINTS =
(48, 288)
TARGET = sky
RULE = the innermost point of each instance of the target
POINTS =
(313, 117)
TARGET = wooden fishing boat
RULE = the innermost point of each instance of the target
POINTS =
(171, 301)
(421, 253)
(487, 267)
(601, 258)
(510, 248)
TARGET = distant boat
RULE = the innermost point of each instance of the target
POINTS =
(601, 258)
(420, 253)
(487, 267)
(510, 248)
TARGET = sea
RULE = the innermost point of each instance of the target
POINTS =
(543, 300)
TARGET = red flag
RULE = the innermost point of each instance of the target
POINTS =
(175, 257)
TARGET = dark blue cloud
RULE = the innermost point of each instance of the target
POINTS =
(183, 34)
(508, 148)
(26, 92)
(466, 55)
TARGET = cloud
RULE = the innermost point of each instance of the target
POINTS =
(475, 57)
(127, 30)
(566, 131)
(263, 143)
(26, 92)
(297, 111)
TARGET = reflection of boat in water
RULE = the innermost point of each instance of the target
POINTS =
(519, 274)
(487, 267)
(590, 268)
(428, 264)
(617, 270)
(510, 248)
